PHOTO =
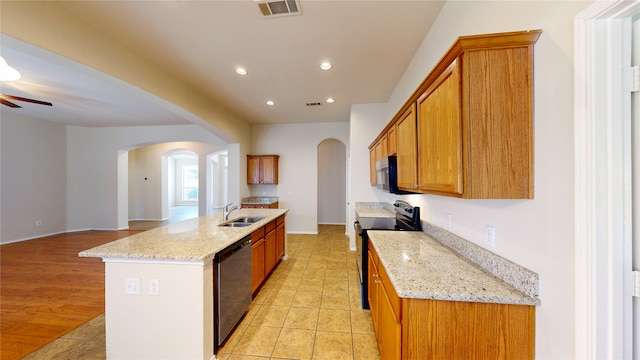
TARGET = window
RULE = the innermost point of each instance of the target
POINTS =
(189, 182)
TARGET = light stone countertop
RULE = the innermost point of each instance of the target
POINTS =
(374, 210)
(195, 240)
(421, 267)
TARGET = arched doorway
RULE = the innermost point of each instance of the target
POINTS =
(332, 176)
(169, 182)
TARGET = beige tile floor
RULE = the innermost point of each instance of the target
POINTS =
(309, 308)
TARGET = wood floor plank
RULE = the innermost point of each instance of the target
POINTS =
(46, 290)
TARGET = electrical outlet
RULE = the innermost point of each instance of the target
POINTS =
(132, 286)
(448, 221)
(490, 235)
(38, 222)
(154, 287)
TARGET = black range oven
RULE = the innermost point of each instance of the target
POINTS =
(407, 218)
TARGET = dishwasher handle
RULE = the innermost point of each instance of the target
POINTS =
(232, 249)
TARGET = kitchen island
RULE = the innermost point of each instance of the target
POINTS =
(159, 286)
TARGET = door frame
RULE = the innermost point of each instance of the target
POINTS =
(603, 212)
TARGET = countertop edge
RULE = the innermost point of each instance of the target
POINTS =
(405, 284)
(131, 248)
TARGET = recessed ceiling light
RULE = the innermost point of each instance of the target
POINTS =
(270, 102)
(241, 71)
(330, 100)
(325, 65)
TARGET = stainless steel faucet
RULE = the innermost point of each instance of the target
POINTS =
(226, 210)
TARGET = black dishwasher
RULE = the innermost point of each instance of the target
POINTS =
(232, 287)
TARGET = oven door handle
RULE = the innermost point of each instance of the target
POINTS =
(357, 227)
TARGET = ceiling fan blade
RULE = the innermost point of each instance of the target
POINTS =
(9, 103)
(26, 100)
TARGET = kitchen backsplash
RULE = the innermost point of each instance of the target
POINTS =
(517, 276)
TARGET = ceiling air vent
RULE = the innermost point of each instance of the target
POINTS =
(279, 8)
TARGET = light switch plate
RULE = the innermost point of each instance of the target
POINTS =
(132, 286)
(154, 287)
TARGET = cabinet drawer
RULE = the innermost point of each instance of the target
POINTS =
(280, 220)
(257, 235)
(270, 226)
(374, 255)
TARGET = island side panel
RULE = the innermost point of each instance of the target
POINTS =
(177, 323)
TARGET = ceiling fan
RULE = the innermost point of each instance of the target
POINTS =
(4, 101)
(7, 73)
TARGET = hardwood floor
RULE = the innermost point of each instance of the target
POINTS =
(46, 290)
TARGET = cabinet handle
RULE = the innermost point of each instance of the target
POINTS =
(376, 281)
(374, 275)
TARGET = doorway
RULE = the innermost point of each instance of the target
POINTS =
(332, 188)
(606, 182)
(633, 261)
(183, 175)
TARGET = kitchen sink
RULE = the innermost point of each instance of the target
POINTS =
(247, 219)
(235, 224)
(242, 221)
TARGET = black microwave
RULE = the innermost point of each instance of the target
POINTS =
(387, 175)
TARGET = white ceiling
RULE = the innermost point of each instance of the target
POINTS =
(369, 43)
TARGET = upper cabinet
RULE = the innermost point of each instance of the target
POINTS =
(440, 134)
(407, 149)
(467, 131)
(262, 169)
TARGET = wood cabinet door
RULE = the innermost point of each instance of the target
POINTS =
(406, 137)
(372, 292)
(440, 135)
(372, 166)
(269, 251)
(392, 142)
(257, 264)
(269, 170)
(253, 170)
(499, 128)
(280, 236)
(390, 342)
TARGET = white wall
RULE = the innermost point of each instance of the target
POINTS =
(367, 120)
(33, 158)
(92, 178)
(297, 145)
(538, 233)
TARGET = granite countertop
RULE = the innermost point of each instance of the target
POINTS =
(421, 267)
(374, 210)
(258, 200)
(195, 240)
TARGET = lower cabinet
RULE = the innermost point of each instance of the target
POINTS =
(269, 251)
(267, 248)
(440, 329)
(386, 321)
(257, 259)
(280, 237)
